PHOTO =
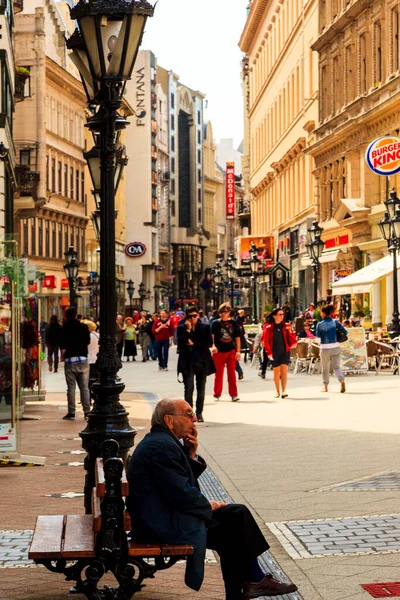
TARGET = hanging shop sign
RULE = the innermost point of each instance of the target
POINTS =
(383, 155)
(135, 249)
(230, 190)
(49, 282)
(338, 274)
(64, 284)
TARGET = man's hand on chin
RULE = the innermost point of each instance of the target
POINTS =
(216, 505)
(191, 442)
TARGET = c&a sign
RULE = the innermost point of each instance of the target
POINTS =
(230, 190)
(135, 249)
(383, 155)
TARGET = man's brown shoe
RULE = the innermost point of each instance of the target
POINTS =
(268, 586)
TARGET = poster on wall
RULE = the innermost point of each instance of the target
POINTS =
(264, 245)
(8, 438)
(354, 351)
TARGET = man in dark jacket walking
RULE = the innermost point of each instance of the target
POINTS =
(74, 342)
(194, 343)
(166, 505)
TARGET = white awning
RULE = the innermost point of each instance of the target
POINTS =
(331, 256)
(361, 281)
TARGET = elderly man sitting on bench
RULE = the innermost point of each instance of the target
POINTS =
(166, 505)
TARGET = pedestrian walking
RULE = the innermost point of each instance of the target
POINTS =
(240, 320)
(42, 332)
(152, 347)
(163, 331)
(52, 341)
(278, 338)
(328, 331)
(74, 342)
(194, 358)
(93, 350)
(264, 355)
(225, 351)
(143, 333)
(120, 335)
(130, 350)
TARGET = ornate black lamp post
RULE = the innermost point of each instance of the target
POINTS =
(130, 288)
(71, 272)
(142, 294)
(390, 229)
(315, 248)
(254, 266)
(104, 48)
(230, 267)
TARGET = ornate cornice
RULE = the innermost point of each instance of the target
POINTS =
(252, 24)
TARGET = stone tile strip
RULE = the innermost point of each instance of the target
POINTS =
(379, 482)
(379, 534)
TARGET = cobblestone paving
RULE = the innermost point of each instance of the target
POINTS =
(388, 480)
(14, 549)
(327, 537)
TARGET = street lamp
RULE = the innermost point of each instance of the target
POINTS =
(254, 266)
(71, 272)
(142, 294)
(315, 248)
(130, 288)
(230, 267)
(390, 229)
(104, 48)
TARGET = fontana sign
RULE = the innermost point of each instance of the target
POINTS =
(383, 155)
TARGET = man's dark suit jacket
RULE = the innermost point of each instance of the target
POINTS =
(165, 502)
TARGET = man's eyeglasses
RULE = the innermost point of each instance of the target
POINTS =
(190, 415)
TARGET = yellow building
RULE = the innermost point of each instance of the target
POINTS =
(280, 82)
(359, 59)
(50, 206)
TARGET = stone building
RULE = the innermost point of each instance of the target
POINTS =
(359, 79)
(280, 85)
(50, 206)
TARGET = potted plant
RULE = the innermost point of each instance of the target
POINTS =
(21, 75)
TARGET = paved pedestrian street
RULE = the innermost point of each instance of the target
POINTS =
(320, 473)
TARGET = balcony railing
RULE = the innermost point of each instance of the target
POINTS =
(27, 180)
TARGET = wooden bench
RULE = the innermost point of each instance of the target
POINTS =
(85, 547)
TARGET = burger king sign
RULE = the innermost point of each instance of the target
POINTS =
(383, 155)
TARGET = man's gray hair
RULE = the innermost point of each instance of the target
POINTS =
(164, 407)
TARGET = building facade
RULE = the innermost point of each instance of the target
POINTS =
(359, 59)
(280, 85)
(50, 205)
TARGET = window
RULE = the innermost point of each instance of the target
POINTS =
(77, 243)
(40, 237)
(172, 165)
(60, 241)
(395, 39)
(349, 74)
(198, 117)
(59, 171)
(82, 186)
(199, 176)
(26, 239)
(66, 244)
(33, 237)
(25, 157)
(363, 64)
(65, 125)
(378, 52)
(47, 239)
(173, 208)
(199, 214)
(53, 175)
(199, 156)
(65, 180)
(53, 239)
(324, 97)
(173, 186)
(71, 182)
(172, 143)
(83, 256)
(47, 173)
(199, 137)
(198, 195)
(59, 119)
(71, 236)
(77, 186)
(173, 122)
(27, 86)
(172, 100)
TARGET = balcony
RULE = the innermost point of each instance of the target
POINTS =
(18, 6)
(27, 181)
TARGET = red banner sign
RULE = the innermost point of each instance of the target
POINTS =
(230, 190)
(49, 282)
(64, 284)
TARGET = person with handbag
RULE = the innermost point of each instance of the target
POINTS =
(278, 339)
(194, 360)
(332, 334)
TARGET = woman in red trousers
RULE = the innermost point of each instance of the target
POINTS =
(278, 338)
(225, 351)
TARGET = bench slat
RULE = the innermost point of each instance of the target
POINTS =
(176, 550)
(78, 538)
(47, 538)
(101, 482)
(144, 550)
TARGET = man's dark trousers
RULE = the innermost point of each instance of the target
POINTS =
(235, 535)
(198, 372)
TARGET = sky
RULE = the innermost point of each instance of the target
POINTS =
(198, 40)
